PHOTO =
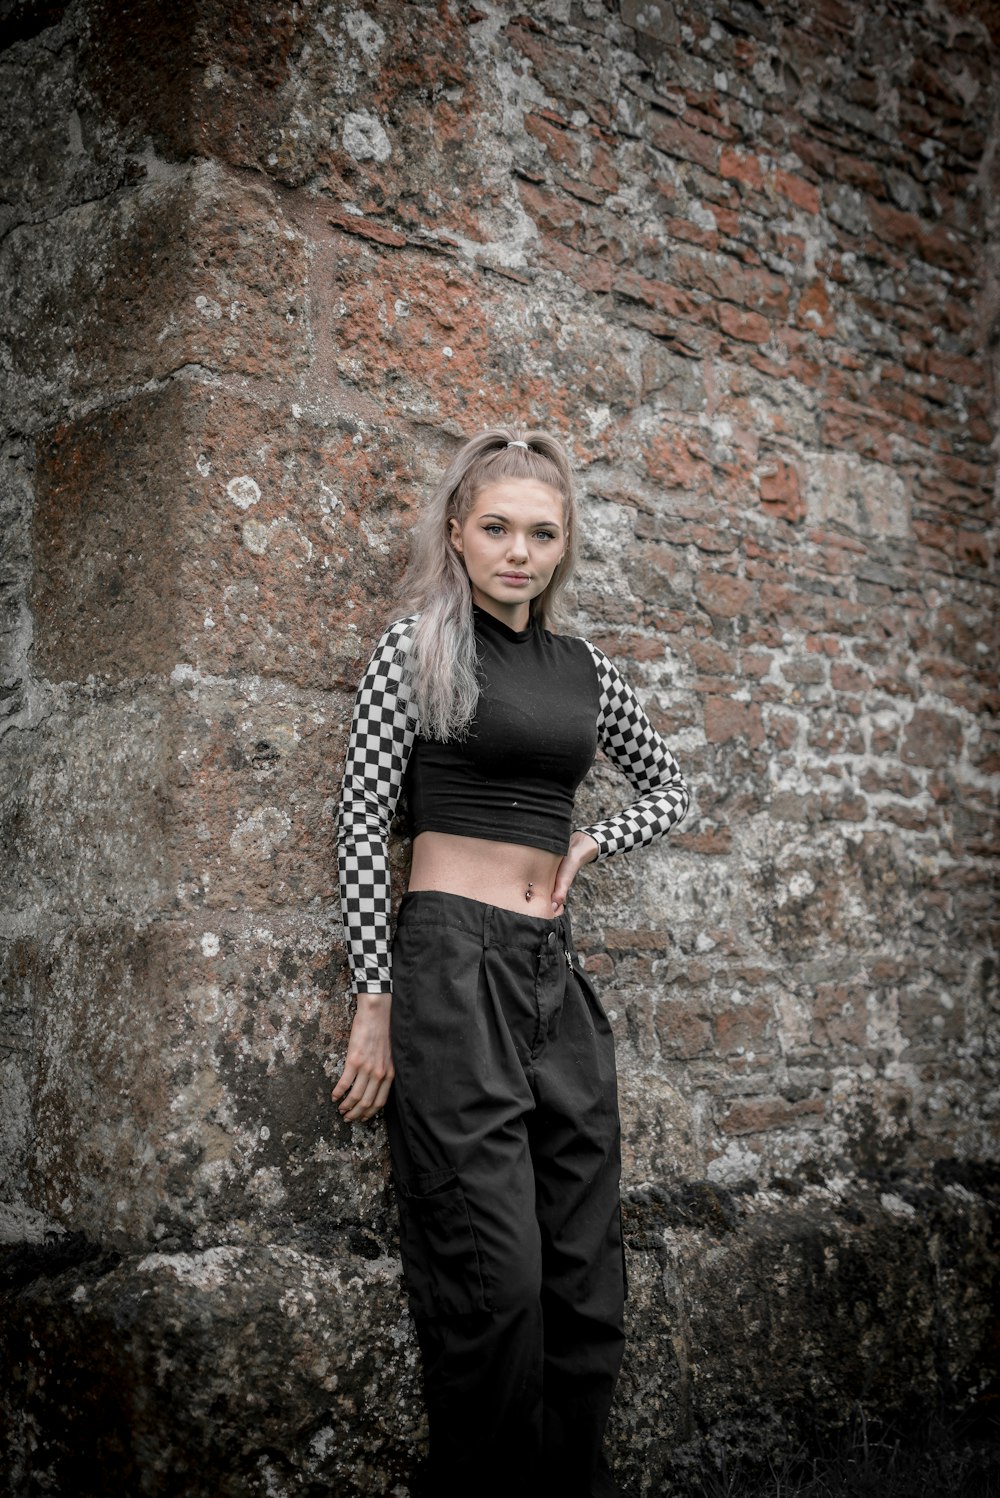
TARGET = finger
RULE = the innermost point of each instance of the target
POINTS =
(372, 1101)
(361, 1108)
(361, 1094)
(344, 1081)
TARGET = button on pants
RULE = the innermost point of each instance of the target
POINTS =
(503, 1126)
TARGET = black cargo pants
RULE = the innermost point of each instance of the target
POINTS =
(503, 1125)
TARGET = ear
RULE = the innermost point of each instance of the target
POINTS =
(455, 534)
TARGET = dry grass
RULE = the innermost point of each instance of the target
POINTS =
(940, 1458)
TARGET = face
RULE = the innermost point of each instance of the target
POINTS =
(511, 542)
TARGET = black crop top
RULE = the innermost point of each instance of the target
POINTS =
(546, 702)
(513, 778)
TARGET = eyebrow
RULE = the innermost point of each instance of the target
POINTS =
(552, 525)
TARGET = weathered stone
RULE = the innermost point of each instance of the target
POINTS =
(194, 269)
(206, 1116)
(212, 535)
(158, 1370)
(257, 281)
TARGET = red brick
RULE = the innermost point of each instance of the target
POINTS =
(756, 1115)
(676, 459)
(708, 840)
(813, 311)
(973, 547)
(674, 138)
(726, 719)
(782, 729)
(683, 1027)
(798, 191)
(780, 490)
(558, 141)
(840, 1015)
(741, 167)
(380, 233)
(932, 738)
(722, 277)
(725, 596)
(710, 657)
(745, 1027)
(747, 327)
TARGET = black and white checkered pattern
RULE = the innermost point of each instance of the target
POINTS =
(383, 729)
(382, 732)
(631, 742)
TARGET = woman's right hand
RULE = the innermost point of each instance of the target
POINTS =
(364, 1084)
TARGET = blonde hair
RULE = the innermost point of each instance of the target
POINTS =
(436, 585)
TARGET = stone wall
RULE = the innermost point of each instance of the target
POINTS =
(261, 268)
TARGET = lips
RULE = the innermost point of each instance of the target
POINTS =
(514, 577)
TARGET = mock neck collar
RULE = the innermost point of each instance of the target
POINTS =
(485, 620)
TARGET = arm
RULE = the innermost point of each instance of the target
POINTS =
(382, 733)
(632, 743)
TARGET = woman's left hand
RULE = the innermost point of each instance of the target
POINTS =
(582, 849)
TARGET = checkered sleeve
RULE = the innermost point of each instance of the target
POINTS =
(632, 744)
(382, 732)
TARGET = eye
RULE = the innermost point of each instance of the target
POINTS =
(493, 529)
(545, 536)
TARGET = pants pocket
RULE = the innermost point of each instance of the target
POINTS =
(438, 1246)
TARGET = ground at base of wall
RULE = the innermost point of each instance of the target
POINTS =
(947, 1455)
(761, 1324)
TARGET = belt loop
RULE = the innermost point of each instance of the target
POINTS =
(487, 926)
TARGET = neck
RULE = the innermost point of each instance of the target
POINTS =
(514, 615)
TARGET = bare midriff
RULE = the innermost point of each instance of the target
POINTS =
(500, 874)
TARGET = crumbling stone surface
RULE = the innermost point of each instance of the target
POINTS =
(256, 281)
(755, 1318)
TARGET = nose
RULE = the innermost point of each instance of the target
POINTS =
(517, 549)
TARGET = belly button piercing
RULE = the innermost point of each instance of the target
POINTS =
(531, 885)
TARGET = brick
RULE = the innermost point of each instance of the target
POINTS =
(724, 596)
(747, 327)
(708, 839)
(740, 166)
(797, 190)
(726, 719)
(804, 670)
(683, 1027)
(652, 18)
(559, 143)
(675, 138)
(931, 738)
(745, 1028)
(780, 490)
(757, 1115)
(929, 1017)
(840, 1014)
(710, 657)
(813, 311)
(677, 459)
(750, 287)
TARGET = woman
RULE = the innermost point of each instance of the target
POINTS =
(498, 1079)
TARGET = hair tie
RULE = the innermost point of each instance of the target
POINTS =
(518, 444)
